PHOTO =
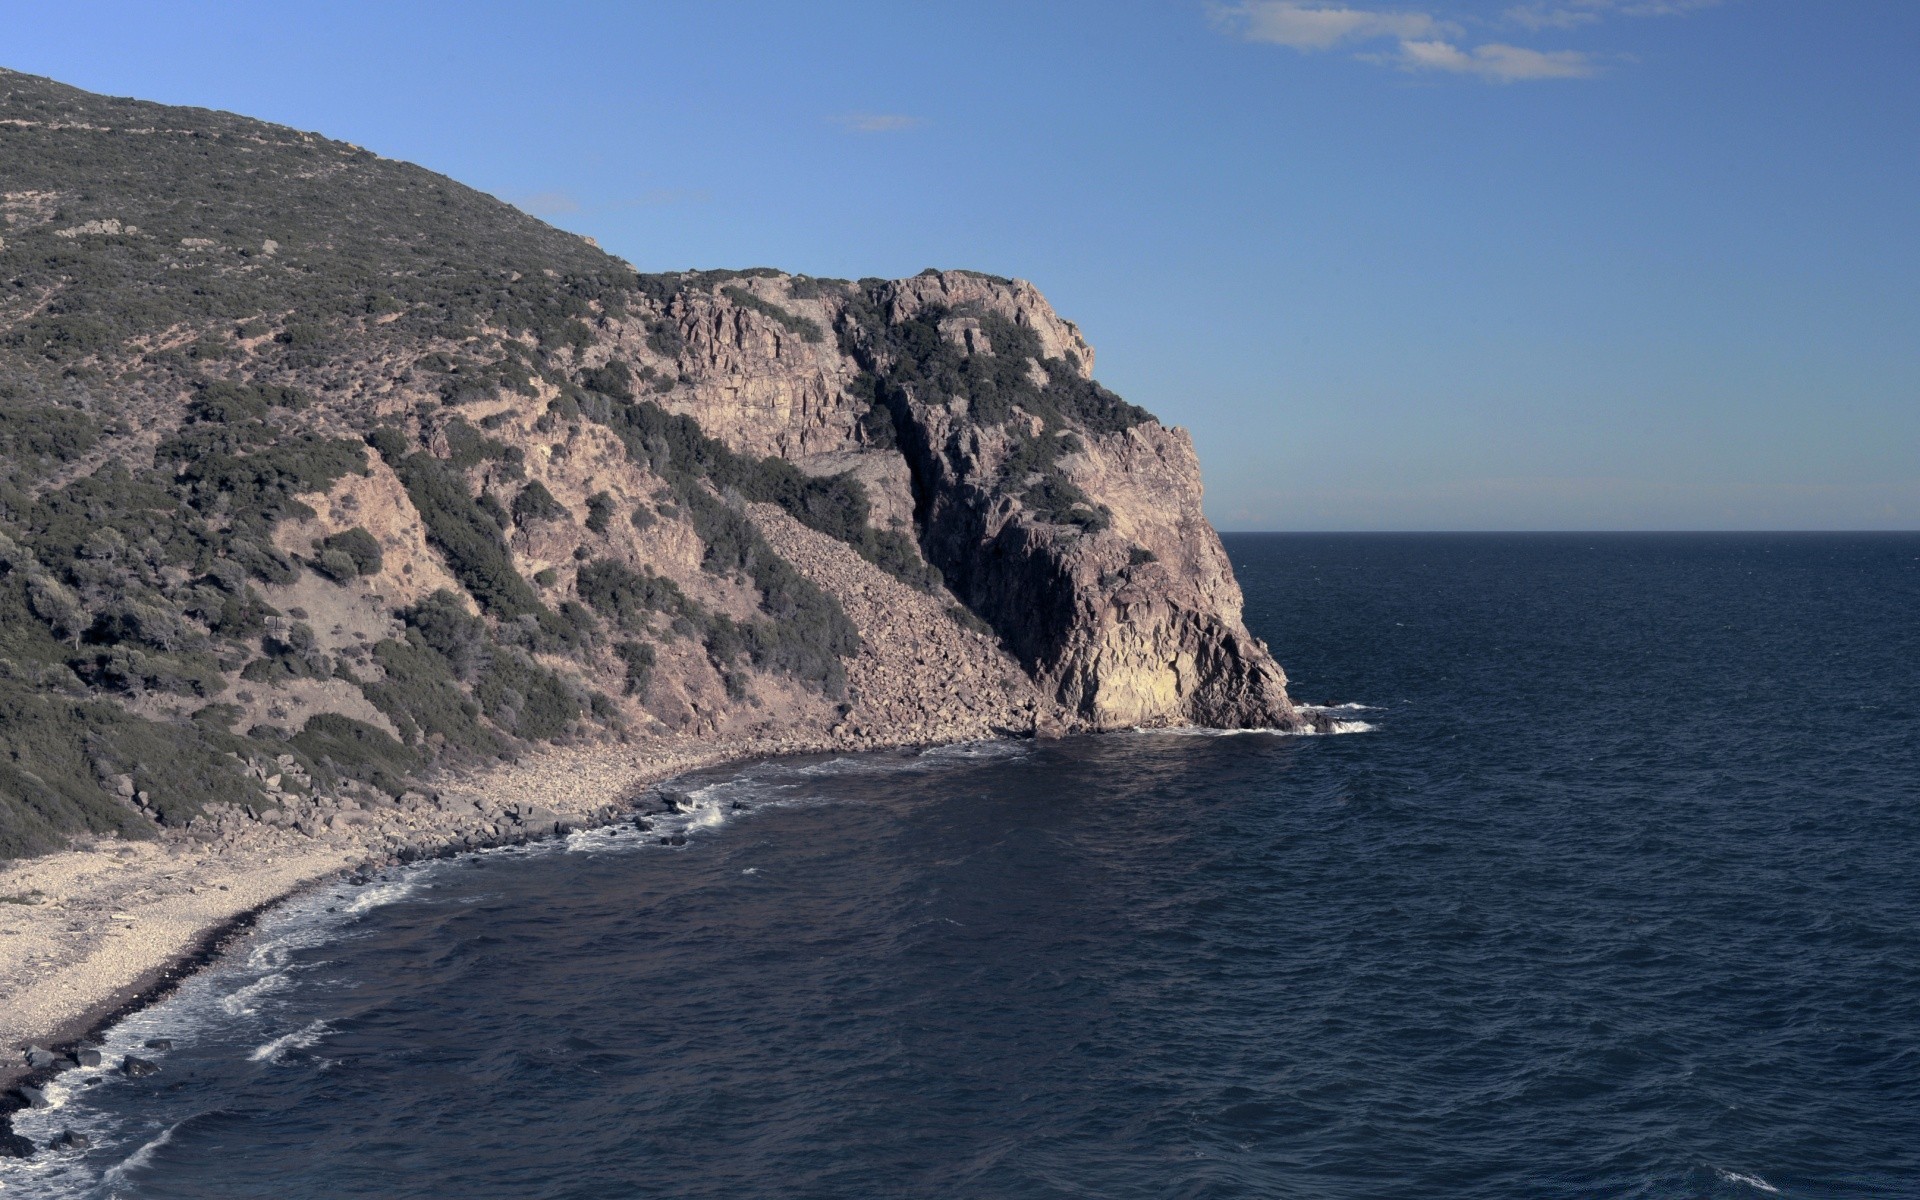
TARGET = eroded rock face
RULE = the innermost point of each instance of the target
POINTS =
(1129, 617)
(1135, 624)
(319, 460)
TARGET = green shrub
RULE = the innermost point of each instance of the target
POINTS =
(228, 403)
(36, 437)
(468, 447)
(524, 697)
(640, 661)
(422, 696)
(354, 551)
(444, 626)
(469, 538)
(614, 380)
(676, 448)
(625, 596)
(343, 748)
(599, 512)
(809, 330)
(536, 503)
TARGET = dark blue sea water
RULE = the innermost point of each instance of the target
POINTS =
(1617, 898)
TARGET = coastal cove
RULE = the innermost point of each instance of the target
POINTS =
(70, 958)
(1638, 931)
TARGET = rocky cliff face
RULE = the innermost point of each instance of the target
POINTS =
(1126, 611)
(313, 454)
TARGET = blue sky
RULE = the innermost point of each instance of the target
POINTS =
(1560, 264)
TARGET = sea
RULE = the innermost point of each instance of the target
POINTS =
(1607, 887)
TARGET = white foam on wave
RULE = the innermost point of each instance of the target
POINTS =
(299, 1039)
(1326, 708)
(1334, 727)
(241, 1003)
(1752, 1181)
(706, 807)
(933, 758)
(983, 750)
(142, 1157)
(379, 894)
(854, 766)
(225, 1000)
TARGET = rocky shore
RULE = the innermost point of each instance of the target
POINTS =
(93, 933)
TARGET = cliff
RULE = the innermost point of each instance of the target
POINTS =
(321, 474)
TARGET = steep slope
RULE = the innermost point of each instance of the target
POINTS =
(320, 473)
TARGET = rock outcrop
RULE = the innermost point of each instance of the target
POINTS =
(1131, 619)
(323, 474)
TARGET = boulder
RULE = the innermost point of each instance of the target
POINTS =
(86, 1058)
(69, 1140)
(39, 1057)
(159, 1043)
(31, 1096)
(138, 1068)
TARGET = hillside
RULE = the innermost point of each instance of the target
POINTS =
(322, 475)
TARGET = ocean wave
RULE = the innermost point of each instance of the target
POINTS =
(982, 750)
(1334, 727)
(240, 1003)
(376, 895)
(142, 1157)
(1752, 1181)
(299, 1039)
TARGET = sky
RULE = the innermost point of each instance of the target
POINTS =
(1556, 264)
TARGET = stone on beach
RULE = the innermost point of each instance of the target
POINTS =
(138, 1068)
(69, 1140)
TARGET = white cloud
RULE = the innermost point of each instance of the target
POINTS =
(1427, 42)
(1571, 14)
(1496, 62)
(1543, 16)
(1652, 8)
(1322, 26)
(876, 122)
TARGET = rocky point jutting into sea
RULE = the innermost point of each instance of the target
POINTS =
(349, 513)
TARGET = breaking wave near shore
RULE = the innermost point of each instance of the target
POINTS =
(1646, 940)
(246, 1012)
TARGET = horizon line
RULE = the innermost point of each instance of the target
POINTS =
(1552, 532)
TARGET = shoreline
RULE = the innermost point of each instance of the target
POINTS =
(117, 926)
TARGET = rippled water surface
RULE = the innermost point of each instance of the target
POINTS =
(1615, 899)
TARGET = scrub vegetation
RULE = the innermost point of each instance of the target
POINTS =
(191, 306)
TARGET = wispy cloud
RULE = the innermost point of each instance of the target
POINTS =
(1322, 27)
(1436, 43)
(864, 122)
(1572, 14)
(1550, 16)
(1496, 62)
